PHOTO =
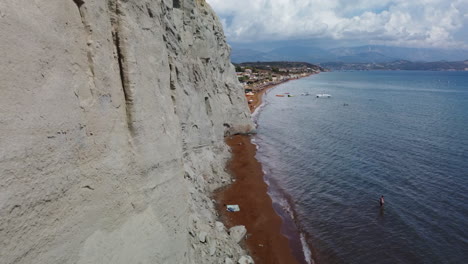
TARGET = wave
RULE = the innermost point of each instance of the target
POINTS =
(307, 252)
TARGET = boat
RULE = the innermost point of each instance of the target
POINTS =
(280, 95)
(289, 95)
(323, 95)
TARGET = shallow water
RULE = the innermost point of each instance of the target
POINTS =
(399, 134)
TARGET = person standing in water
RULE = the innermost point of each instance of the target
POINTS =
(381, 201)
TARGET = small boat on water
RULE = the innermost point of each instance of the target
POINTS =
(289, 95)
(280, 95)
(323, 96)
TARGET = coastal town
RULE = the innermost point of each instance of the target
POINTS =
(256, 78)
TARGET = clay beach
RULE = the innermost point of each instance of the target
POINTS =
(266, 240)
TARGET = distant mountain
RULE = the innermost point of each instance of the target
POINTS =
(410, 54)
(299, 53)
(400, 65)
(365, 57)
(362, 54)
(290, 53)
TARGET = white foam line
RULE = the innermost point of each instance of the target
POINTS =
(285, 206)
(306, 250)
(254, 141)
(257, 110)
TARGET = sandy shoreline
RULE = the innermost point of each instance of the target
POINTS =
(257, 97)
(264, 239)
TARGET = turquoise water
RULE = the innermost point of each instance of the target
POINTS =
(403, 135)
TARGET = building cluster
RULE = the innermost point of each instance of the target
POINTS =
(255, 79)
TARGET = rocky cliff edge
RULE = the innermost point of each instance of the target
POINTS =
(112, 119)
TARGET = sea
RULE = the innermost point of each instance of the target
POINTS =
(327, 161)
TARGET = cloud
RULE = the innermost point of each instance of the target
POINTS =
(424, 23)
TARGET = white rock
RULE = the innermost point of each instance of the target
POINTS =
(202, 236)
(237, 232)
(212, 247)
(219, 226)
(245, 260)
(228, 261)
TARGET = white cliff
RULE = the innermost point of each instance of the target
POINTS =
(112, 118)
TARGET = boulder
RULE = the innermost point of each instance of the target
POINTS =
(237, 232)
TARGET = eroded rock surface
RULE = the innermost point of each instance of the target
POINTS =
(112, 118)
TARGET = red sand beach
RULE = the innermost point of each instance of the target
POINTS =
(264, 240)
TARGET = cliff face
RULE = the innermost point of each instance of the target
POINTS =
(112, 118)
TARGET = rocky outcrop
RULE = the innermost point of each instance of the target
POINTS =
(112, 118)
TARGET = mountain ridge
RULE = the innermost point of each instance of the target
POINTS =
(359, 54)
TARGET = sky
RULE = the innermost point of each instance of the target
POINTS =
(406, 23)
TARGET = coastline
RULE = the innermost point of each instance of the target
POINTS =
(264, 240)
(257, 98)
